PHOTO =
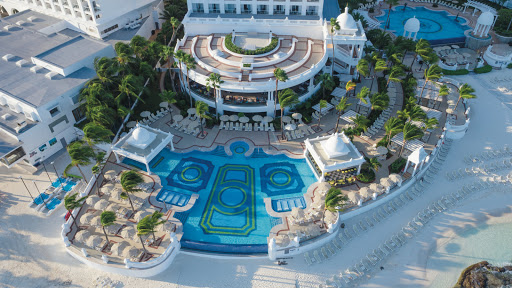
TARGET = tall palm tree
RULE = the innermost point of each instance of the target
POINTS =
(175, 23)
(129, 181)
(201, 109)
(168, 53)
(433, 73)
(410, 132)
(129, 87)
(363, 68)
(149, 223)
(362, 95)
(421, 48)
(287, 98)
(465, 92)
(380, 65)
(374, 163)
(71, 203)
(101, 114)
(334, 26)
(139, 44)
(414, 113)
(395, 75)
(361, 122)
(106, 68)
(180, 56)
(80, 154)
(107, 218)
(327, 83)
(391, 4)
(341, 107)
(142, 231)
(379, 101)
(190, 64)
(213, 83)
(444, 90)
(334, 202)
(280, 75)
(96, 169)
(169, 97)
(350, 86)
(392, 127)
(94, 134)
(430, 123)
(322, 104)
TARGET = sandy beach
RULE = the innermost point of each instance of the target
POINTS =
(33, 255)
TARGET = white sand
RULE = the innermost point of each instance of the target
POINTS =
(33, 255)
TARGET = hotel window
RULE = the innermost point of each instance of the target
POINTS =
(246, 9)
(312, 10)
(214, 8)
(262, 9)
(54, 111)
(79, 113)
(278, 9)
(295, 10)
(197, 8)
(230, 9)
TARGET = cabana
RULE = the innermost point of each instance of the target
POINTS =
(333, 154)
(418, 157)
(142, 144)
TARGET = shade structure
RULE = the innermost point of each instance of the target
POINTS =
(107, 188)
(193, 124)
(319, 198)
(102, 204)
(116, 193)
(323, 187)
(224, 118)
(365, 192)
(297, 116)
(331, 217)
(191, 111)
(233, 118)
(82, 235)
(268, 119)
(113, 207)
(145, 113)
(118, 248)
(93, 241)
(257, 118)
(282, 240)
(131, 124)
(375, 187)
(110, 174)
(244, 119)
(395, 178)
(91, 200)
(386, 182)
(131, 252)
(141, 214)
(287, 119)
(167, 227)
(353, 197)
(382, 150)
(164, 104)
(177, 117)
(290, 127)
(128, 232)
(298, 213)
(86, 218)
(95, 221)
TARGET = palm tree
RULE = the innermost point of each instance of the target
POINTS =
(433, 73)
(374, 163)
(363, 68)
(444, 90)
(107, 218)
(190, 63)
(129, 181)
(391, 4)
(380, 65)
(392, 127)
(350, 86)
(410, 132)
(175, 23)
(71, 203)
(180, 56)
(129, 87)
(361, 122)
(94, 134)
(396, 73)
(362, 95)
(168, 53)
(96, 169)
(379, 101)
(213, 82)
(322, 104)
(142, 231)
(287, 98)
(106, 68)
(201, 109)
(139, 44)
(334, 26)
(334, 202)
(421, 48)
(149, 223)
(465, 92)
(280, 75)
(327, 83)
(414, 113)
(80, 154)
(430, 123)
(341, 107)
(169, 97)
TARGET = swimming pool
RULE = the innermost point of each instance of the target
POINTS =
(485, 242)
(230, 214)
(438, 27)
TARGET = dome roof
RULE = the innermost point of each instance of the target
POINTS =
(412, 25)
(486, 18)
(140, 134)
(346, 21)
(335, 146)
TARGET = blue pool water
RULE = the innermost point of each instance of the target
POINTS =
(438, 27)
(230, 214)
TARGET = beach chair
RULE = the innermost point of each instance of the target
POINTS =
(317, 256)
(307, 258)
(287, 134)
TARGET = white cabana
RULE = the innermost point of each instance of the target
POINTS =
(417, 157)
(411, 145)
(332, 153)
(339, 92)
(142, 144)
(348, 116)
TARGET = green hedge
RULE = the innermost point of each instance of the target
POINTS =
(509, 66)
(456, 72)
(397, 165)
(366, 176)
(233, 48)
(483, 69)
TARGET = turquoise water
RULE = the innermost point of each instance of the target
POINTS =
(435, 26)
(486, 242)
(230, 209)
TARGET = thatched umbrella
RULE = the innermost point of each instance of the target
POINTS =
(330, 217)
(96, 221)
(282, 240)
(395, 178)
(91, 200)
(113, 207)
(386, 182)
(323, 187)
(112, 229)
(141, 214)
(93, 241)
(375, 187)
(102, 204)
(86, 218)
(110, 174)
(298, 213)
(82, 235)
(365, 192)
(107, 188)
(131, 252)
(117, 248)
(128, 232)
(167, 227)
(353, 197)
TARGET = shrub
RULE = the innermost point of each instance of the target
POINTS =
(456, 72)
(228, 41)
(483, 69)
(397, 165)
(509, 66)
(501, 25)
(435, 5)
(367, 175)
(247, 65)
(371, 10)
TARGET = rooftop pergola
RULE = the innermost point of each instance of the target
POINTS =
(142, 144)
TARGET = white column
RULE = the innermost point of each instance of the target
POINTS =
(172, 145)
(421, 165)
(117, 157)
(352, 51)
(359, 169)
(147, 168)
(406, 166)
(414, 171)
(415, 34)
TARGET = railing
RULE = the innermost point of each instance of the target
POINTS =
(208, 67)
(252, 20)
(289, 68)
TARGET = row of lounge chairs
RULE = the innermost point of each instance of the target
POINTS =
(443, 3)
(52, 197)
(488, 155)
(248, 127)
(498, 79)
(154, 117)
(484, 169)
(300, 133)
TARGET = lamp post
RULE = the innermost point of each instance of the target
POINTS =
(40, 195)
(56, 173)
(44, 167)
(21, 178)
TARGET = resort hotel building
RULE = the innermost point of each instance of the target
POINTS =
(95, 18)
(245, 41)
(40, 80)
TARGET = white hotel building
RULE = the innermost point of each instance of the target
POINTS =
(303, 49)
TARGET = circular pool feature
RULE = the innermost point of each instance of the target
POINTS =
(280, 178)
(232, 197)
(427, 25)
(191, 173)
(239, 147)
